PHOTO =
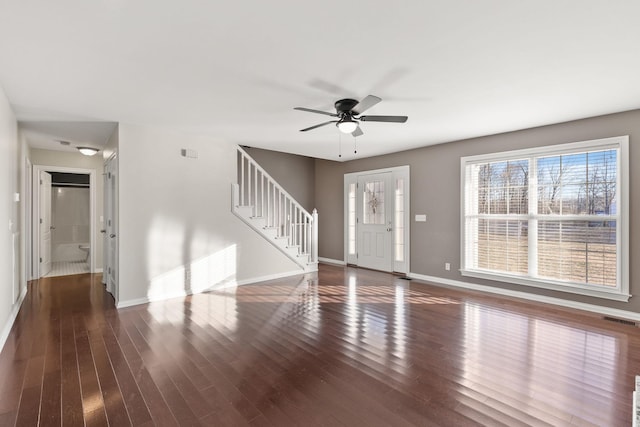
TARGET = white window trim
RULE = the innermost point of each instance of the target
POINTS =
(621, 292)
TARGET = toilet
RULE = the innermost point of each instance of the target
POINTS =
(85, 248)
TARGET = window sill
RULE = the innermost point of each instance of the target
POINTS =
(614, 294)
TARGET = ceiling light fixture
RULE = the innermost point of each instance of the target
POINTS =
(88, 151)
(347, 125)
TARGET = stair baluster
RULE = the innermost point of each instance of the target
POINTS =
(267, 207)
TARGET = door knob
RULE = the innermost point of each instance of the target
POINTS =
(388, 229)
(103, 231)
(112, 235)
(51, 227)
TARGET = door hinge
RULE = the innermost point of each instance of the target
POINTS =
(40, 182)
(40, 259)
(40, 220)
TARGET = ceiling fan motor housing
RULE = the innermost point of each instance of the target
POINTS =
(345, 105)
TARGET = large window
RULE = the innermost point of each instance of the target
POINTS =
(551, 217)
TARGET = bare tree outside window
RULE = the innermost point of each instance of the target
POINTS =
(568, 185)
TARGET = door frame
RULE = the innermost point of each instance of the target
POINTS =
(35, 204)
(403, 172)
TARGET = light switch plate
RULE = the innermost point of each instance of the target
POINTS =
(421, 218)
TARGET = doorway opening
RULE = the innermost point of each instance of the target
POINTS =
(376, 219)
(63, 221)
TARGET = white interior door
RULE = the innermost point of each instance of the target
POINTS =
(111, 227)
(375, 221)
(105, 217)
(45, 223)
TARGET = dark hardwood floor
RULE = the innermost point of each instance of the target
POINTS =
(346, 347)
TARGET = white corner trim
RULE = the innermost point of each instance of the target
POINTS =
(12, 318)
(614, 312)
(217, 286)
(331, 261)
(132, 302)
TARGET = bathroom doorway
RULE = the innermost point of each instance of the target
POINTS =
(63, 221)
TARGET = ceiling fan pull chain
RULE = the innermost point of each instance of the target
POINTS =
(339, 144)
(355, 147)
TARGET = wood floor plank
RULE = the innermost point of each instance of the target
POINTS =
(92, 401)
(133, 399)
(338, 348)
(70, 394)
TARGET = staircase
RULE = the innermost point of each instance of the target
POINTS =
(266, 207)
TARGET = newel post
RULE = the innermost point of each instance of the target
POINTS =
(314, 236)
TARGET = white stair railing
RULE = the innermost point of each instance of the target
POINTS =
(278, 210)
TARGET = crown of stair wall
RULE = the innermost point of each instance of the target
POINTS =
(267, 208)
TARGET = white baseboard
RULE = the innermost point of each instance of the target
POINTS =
(132, 302)
(614, 312)
(268, 277)
(97, 270)
(331, 261)
(217, 286)
(12, 318)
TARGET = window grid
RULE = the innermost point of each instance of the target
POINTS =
(549, 217)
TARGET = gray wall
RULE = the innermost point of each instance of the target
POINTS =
(295, 173)
(435, 190)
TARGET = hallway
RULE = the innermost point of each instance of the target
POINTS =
(343, 347)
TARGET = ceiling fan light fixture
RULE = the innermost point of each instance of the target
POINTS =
(88, 151)
(347, 126)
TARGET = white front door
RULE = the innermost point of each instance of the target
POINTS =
(380, 239)
(375, 221)
(45, 224)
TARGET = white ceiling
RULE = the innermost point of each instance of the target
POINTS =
(458, 69)
(48, 135)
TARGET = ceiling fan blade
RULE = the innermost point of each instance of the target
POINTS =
(391, 119)
(317, 126)
(368, 102)
(309, 110)
(357, 132)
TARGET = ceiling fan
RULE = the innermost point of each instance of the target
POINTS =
(348, 114)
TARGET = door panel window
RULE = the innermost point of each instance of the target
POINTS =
(373, 206)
